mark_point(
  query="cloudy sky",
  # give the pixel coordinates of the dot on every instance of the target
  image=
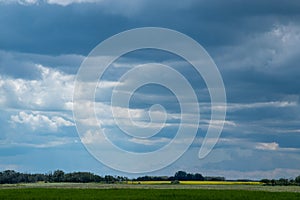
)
(255, 45)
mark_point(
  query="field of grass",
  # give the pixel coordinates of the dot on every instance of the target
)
(146, 190)
(197, 182)
(152, 185)
(220, 183)
(174, 194)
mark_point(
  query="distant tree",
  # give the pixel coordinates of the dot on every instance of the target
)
(214, 178)
(11, 176)
(121, 179)
(273, 182)
(152, 178)
(291, 181)
(180, 175)
(58, 176)
(49, 177)
(189, 176)
(297, 180)
(266, 181)
(283, 181)
(198, 177)
(109, 179)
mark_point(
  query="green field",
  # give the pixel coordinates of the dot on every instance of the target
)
(141, 191)
(69, 193)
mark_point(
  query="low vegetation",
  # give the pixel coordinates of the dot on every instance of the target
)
(55, 193)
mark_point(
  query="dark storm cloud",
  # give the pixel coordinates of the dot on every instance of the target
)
(51, 29)
(255, 44)
(77, 28)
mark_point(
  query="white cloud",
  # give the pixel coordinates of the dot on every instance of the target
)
(28, 2)
(54, 90)
(22, 2)
(240, 106)
(218, 123)
(68, 2)
(39, 121)
(56, 142)
(108, 6)
(267, 146)
(93, 137)
(104, 114)
(107, 84)
(150, 142)
(275, 147)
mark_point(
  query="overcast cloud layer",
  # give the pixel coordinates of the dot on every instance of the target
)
(255, 45)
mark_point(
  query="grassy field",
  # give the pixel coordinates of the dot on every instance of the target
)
(148, 190)
(198, 182)
(174, 194)
(152, 185)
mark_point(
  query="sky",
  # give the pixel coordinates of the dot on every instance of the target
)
(254, 44)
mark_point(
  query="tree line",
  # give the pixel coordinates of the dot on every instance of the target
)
(13, 177)
(282, 181)
(180, 176)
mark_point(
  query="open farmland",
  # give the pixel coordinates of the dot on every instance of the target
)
(121, 193)
(146, 191)
(153, 185)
